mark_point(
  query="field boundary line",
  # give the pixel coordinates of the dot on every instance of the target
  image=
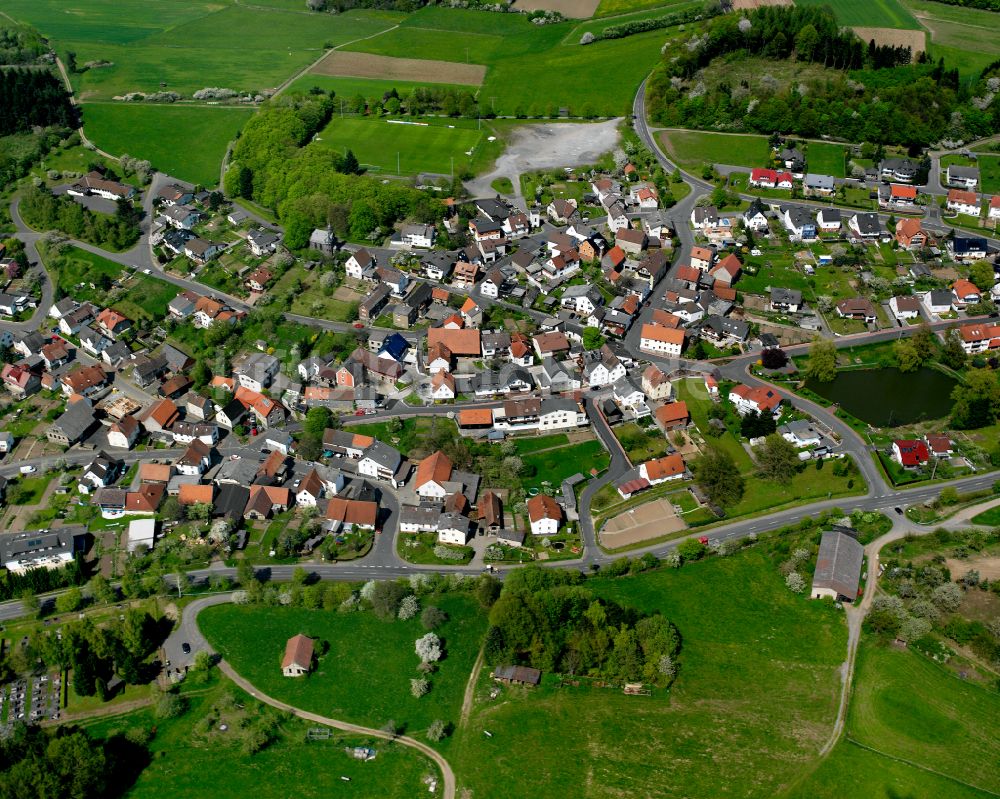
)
(912, 764)
(324, 54)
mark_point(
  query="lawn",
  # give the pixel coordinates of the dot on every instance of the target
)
(990, 517)
(405, 146)
(529, 444)
(310, 299)
(33, 488)
(364, 678)
(185, 142)
(907, 706)
(826, 159)
(869, 13)
(641, 443)
(555, 465)
(139, 297)
(692, 149)
(184, 763)
(755, 698)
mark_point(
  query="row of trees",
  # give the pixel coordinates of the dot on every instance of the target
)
(33, 98)
(43, 210)
(548, 620)
(312, 187)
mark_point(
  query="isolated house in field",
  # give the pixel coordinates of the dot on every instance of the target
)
(298, 656)
(838, 567)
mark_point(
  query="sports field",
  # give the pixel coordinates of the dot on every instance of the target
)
(870, 13)
(691, 149)
(421, 148)
(187, 142)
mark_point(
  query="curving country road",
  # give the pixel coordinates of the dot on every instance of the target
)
(189, 631)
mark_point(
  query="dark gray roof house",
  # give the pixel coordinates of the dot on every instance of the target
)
(838, 567)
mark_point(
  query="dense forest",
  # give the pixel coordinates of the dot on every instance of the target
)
(45, 211)
(33, 98)
(66, 764)
(314, 186)
(870, 93)
(549, 620)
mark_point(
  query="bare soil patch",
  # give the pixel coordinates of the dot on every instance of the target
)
(893, 37)
(650, 520)
(750, 5)
(345, 294)
(575, 9)
(368, 65)
(988, 568)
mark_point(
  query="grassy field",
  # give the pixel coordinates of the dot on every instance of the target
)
(826, 159)
(433, 146)
(755, 697)
(990, 517)
(869, 13)
(966, 37)
(186, 762)
(609, 8)
(186, 45)
(186, 142)
(851, 770)
(693, 149)
(526, 64)
(907, 706)
(365, 676)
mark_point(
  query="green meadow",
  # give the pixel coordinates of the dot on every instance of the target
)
(365, 677)
(869, 13)
(185, 45)
(692, 149)
(187, 142)
(185, 760)
(754, 699)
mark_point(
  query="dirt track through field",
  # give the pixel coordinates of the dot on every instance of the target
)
(416, 70)
(573, 9)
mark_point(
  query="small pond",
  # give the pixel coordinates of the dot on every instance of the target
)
(888, 397)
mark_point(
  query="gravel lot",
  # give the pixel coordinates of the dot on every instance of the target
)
(547, 146)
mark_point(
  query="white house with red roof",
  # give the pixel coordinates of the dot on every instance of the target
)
(759, 399)
(910, 453)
